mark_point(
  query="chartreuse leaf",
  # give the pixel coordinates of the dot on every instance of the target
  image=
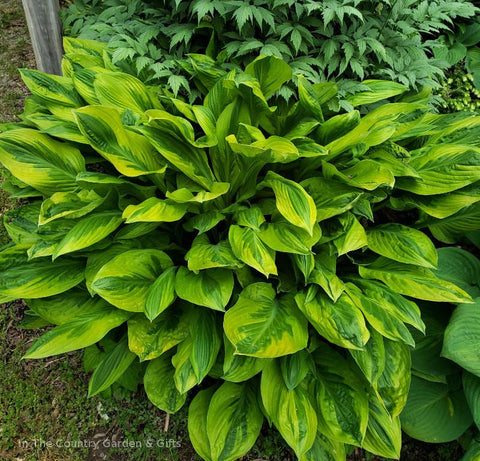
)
(210, 288)
(184, 195)
(184, 376)
(291, 412)
(36, 279)
(263, 325)
(331, 197)
(293, 202)
(353, 236)
(417, 282)
(204, 222)
(434, 412)
(126, 279)
(287, 238)
(239, 368)
(37, 160)
(378, 90)
(161, 294)
(51, 89)
(341, 401)
(325, 449)
(380, 315)
(66, 307)
(155, 210)
(88, 231)
(383, 436)
(403, 244)
(248, 247)
(21, 223)
(151, 339)
(250, 217)
(130, 153)
(371, 359)
(134, 94)
(234, 420)
(204, 255)
(197, 422)
(341, 323)
(462, 337)
(114, 364)
(394, 382)
(295, 367)
(77, 334)
(71, 204)
(160, 386)
(323, 276)
(271, 72)
(471, 387)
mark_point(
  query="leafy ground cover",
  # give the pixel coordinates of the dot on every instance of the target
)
(46, 399)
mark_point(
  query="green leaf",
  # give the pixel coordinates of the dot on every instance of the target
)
(160, 386)
(126, 279)
(403, 244)
(371, 359)
(471, 387)
(353, 237)
(155, 210)
(114, 364)
(341, 323)
(234, 420)
(239, 368)
(378, 90)
(247, 247)
(197, 422)
(295, 367)
(417, 282)
(37, 160)
(130, 153)
(293, 202)
(263, 325)
(271, 72)
(77, 334)
(88, 231)
(204, 255)
(161, 294)
(151, 339)
(462, 337)
(210, 288)
(435, 413)
(292, 412)
(184, 195)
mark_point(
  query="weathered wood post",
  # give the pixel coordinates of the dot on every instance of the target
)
(46, 33)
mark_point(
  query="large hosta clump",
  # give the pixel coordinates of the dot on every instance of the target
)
(245, 250)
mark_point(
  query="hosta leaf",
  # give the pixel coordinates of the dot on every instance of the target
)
(295, 205)
(371, 359)
(287, 238)
(271, 72)
(234, 420)
(380, 316)
(417, 282)
(114, 364)
(462, 337)
(73, 205)
(239, 368)
(197, 422)
(292, 412)
(325, 449)
(204, 222)
(160, 386)
(383, 436)
(295, 367)
(353, 237)
(204, 255)
(151, 339)
(185, 196)
(263, 325)
(88, 231)
(36, 279)
(161, 294)
(341, 323)
(21, 223)
(378, 90)
(471, 387)
(134, 94)
(77, 334)
(47, 165)
(210, 288)
(184, 375)
(155, 210)
(331, 197)
(435, 413)
(403, 244)
(250, 217)
(130, 153)
(247, 247)
(126, 279)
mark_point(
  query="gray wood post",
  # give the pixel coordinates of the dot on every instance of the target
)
(46, 33)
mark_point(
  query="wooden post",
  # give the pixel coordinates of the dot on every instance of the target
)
(46, 33)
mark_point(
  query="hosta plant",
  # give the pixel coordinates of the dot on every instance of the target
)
(249, 252)
(444, 398)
